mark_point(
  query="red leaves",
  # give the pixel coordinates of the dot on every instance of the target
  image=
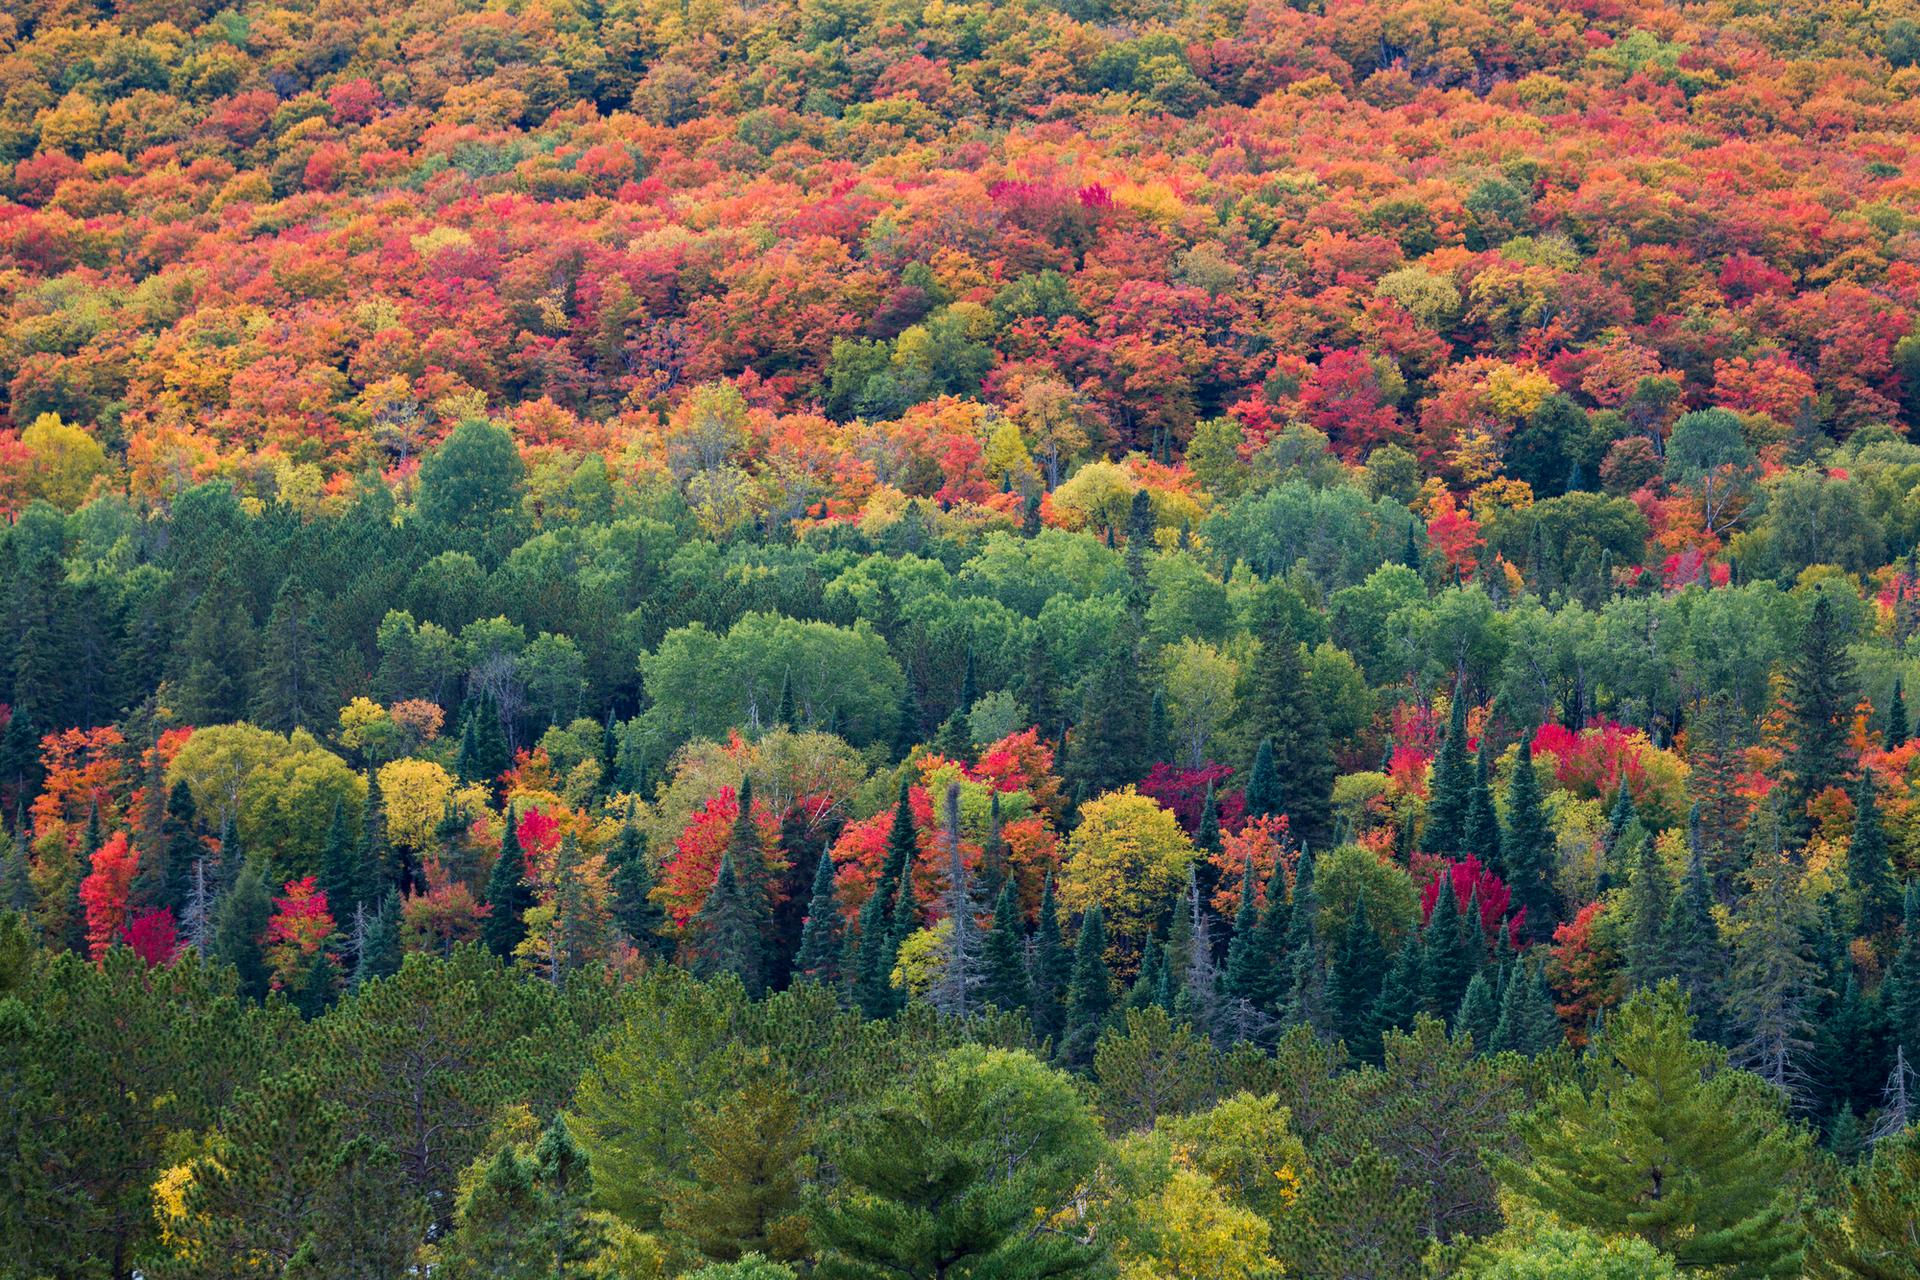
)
(688, 873)
(105, 890)
(1185, 792)
(153, 937)
(1456, 535)
(1471, 882)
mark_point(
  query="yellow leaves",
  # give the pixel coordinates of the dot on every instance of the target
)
(1130, 856)
(415, 794)
(65, 461)
(1155, 200)
(1195, 1231)
(432, 242)
(1516, 392)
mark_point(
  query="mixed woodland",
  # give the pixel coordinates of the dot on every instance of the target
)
(1136, 639)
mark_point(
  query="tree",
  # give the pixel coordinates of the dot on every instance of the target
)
(635, 911)
(509, 894)
(1263, 784)
(1450, 789)
(822, 945)
(1550, 1252)
(1352, 1221)
(1898, 728)
(958, 1170)
(749, 1166)
(527, 1214)
(957, 983)
(1527, 847)
(1003, 963)
(290, 685)
(1110, 739)
(1660, 1140)
(1050, 968)
(1279, 706)
(1131, 858)
(1453, 948)
(1691, 948)
(1875, 1233)
(342, 878)
(1820, 698)
(239, 923)
(1773, 982)
(726, 933)
(1649, 898)
(1527, 1022)
(1147, 1068)
(1355, 976)
(1869, 869)
(1089, 997)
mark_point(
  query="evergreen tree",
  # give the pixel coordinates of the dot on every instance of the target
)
(903, 842)
(726, 932)
(1003, 959)
(1649, 898)
(1400, 994)
(1481, 831)
(1207, 838)
(906, 726)
(1901, 991)
(1452, 956)
(1089, 992)
(317, 985)
(1354, 978)
(1281, 707)
(528, 1216)
(872, 963)
(1898, 729)
(239, 923)
(1450, 792)
(1272, 974)
(290, 686)
(377, 952)
(1869, 869)
(341, 878)
(509, 895)
(1656, 1139)
(639, 917)
(1690, 946)
(1307, 981)
(1714, 753)
(484, 753)
(1772, 981)
(1478, 1015)
(214, 659)
(16, 883)
(1039, 687)
(1263, 785)
(1528, 1023)
(822, 944)
(1527, 848)
(1110, 746)
(1820, 697)
(956, 986)
(1050, 969)
(1246, 975)
(1875, 1235)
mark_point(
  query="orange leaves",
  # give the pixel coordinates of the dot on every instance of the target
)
(300, 925)
(104, 892)
(1455, 534)
(689, 871)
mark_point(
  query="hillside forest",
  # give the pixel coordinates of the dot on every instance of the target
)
(1131, 639)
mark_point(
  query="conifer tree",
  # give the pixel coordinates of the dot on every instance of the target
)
(484, 754)
(1307, 981)
(1869, 869)
(1110, 740)
(1452, 958)
(1527, 1021)
(1901, 991)
(1820, 699)
(1246, 978)
(1199, 998)
(1039, 687)
(1450, 791)
(1691, 949)
(1481, 831)
(822, 945)
(1772, 980)
(1263, 785)
(1898, 727)
(1281, 707)
(509, 895)
(341, 877)
(16, 883)
(1089, 992)
(1527, 848)
(903, 842)
(1354, 978)
(872, 963)
(239, 922)
(1207, 838)
(1649, 898)
(1003, 960)
(1050, 969)
(379, 952)
(1477, 1015)
(955, 988)
(1714, 755)
(906, 730)
(1400, 994)
(639, 917)
(726, 932)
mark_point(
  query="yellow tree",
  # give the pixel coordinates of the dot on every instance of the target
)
(1131, 856)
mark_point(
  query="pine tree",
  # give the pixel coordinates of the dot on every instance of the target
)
(1307, 981)
(1869, 869)
(379, 953)
(1773, 982)
(1110, 748)
(1898, 729)
(1050, 969)
(1003, 960)
(1280, 706)
(639, 917)
(902, 843)
(239, 922)
(1246, 975)
(16, 883)
(340, 872)
(872, 963)
(1400, 995)
(1039, 687)
(726, 932)
(290, 685)
(1450, 791)
(1820, 699)
(822, 943)
(1714, 757)
(1089, 992)
(1263, 785)
(1478, 1015)
(906, 728)
(509, 895)
(1354, 978)
(1901, 991)
(1207, 838)
(1527, 848)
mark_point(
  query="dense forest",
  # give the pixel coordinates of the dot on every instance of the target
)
(1135, 639)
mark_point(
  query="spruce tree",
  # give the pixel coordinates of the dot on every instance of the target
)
(906, 726)
(1898, 728)
(1400, 995)
(822, 942)
(1272, 972)
(1089, 992)
(1207, 838)
(1527, 848)
(509, 895)
(1354, 978)
(239, 922)
(379, 953)
(1869, 869)
(1714, 756)
(1482, 829)
(1003, 959)
(484, 754)
(1820, 699)
(1246, 978)
(1478, 1015)
(1039, 687)
(1263, 785)
(1110, 748)
(903, 841)
(1307, 979)
(1528, 1023)
(1690, 944)
(16, 883)
(1450, 792)
(726, 932)
(340, 872)
(639, 917)
(1280, 706)
(872, 964)
(1050, 969)
(1901, 991)
(1773, 982)
(1452, 958)
(1649, 898)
